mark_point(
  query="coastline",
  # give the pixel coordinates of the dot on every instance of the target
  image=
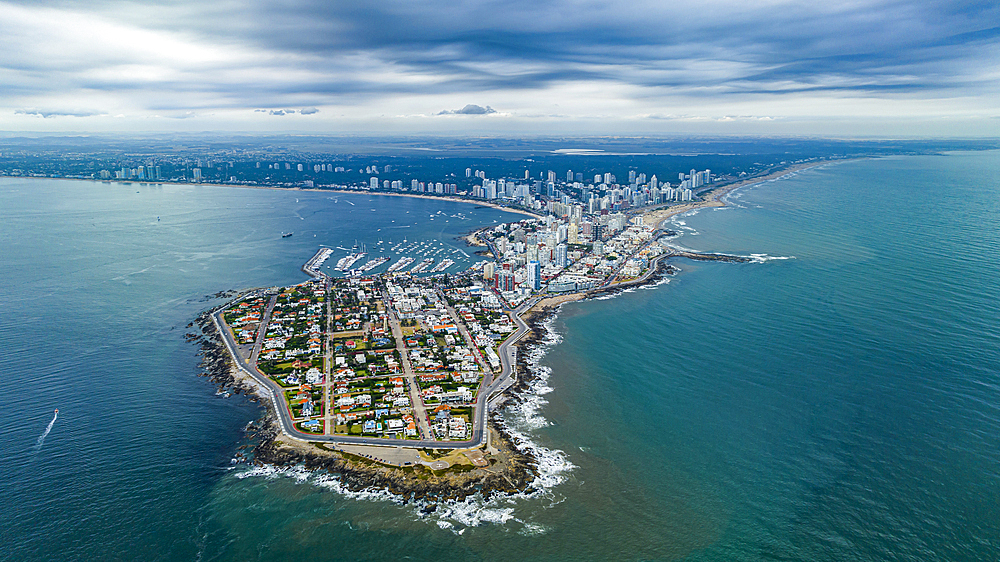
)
(714, 197)
(477, 202)
(512, 467)
(542, 312)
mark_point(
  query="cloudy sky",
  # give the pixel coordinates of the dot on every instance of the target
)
(848, 67)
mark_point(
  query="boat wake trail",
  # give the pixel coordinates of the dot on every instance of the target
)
(41, 440)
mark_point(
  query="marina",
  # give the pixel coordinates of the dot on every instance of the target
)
(368, 266)
(445, 264)
(402, 263)
(422, 266)
(345, 263)
(312, 266)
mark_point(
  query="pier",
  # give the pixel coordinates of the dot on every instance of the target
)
(312, 266)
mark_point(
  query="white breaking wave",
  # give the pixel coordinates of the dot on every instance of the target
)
(680, 248)
(761, 258)
(662, 281)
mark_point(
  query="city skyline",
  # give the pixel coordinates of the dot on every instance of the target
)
(867, 69)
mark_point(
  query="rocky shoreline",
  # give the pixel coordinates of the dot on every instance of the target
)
(511, 471)
(216, 362)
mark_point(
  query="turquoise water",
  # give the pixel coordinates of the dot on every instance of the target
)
(841, 404)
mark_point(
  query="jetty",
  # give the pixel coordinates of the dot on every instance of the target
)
(312, 266)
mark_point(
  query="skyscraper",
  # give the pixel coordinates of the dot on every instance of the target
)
(534, 275)
(560, 255)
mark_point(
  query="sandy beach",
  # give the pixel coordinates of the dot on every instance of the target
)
(478, 202)
(714, 198)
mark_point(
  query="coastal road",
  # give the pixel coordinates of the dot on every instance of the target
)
(505, 379)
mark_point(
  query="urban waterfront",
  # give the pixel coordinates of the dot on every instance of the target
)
(838, 404)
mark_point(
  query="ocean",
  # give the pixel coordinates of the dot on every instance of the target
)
(840, 403)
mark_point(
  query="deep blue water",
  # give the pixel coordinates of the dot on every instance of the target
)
(841, 405)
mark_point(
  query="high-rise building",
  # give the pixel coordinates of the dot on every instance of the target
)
(373, 183)
(468, 172)
(505, 280)
(552, 176)
(560, 255)
(631, 176)
(534, 275)
(197, 174)
(569, 175)
(489, 270)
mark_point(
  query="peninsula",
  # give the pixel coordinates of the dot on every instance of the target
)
(389, 373)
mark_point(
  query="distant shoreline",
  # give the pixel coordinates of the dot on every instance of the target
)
(481, 203)
(712, 199)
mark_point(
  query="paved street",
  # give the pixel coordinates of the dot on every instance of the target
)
(417, 403)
